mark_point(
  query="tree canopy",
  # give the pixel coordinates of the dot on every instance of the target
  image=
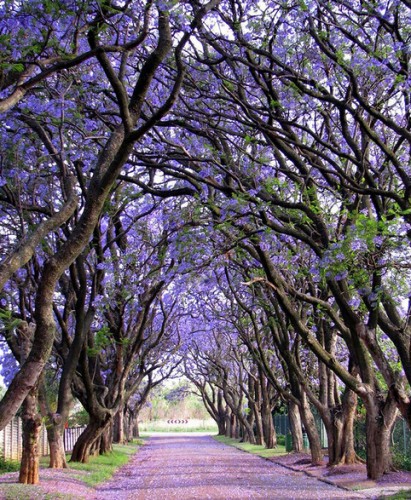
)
(221, 188)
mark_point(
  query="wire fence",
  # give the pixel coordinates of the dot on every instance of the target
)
(400, 441)
(11, 440)
(400, 436)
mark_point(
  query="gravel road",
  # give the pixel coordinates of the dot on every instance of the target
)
(198, 467)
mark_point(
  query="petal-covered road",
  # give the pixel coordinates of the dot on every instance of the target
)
(198, 467)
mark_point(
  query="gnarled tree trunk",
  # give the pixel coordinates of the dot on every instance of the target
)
(340, 431)
(106, 440)
(87, 441)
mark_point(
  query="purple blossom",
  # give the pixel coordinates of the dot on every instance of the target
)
(341, 275)
(354, 302)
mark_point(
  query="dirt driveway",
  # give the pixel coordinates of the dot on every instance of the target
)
(198, 467)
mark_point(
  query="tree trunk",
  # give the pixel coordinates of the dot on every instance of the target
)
(228, 420)
(55, 432)
(339, 425)
(29, 467)
(380, 419)
(118, 427)
(221, 411)
(128, 426)
(221, 427)
(295, 427)
(88, 438)
(234, 428)
(254, 404)
(106, 440)
(248, 422)
(259, 430)
(270, 436)
(348, 455)
(311, 430)
(248, 432)
(136, 430)
(340, 432)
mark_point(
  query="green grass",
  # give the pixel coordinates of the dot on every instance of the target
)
(401, 495)
(99, 469)
(255, 449)
(8, 465)
(102, 467)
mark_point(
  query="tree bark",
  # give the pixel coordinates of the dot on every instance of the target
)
(55, 431)
(136, 430)
(118, 427)
(29, 467)
(259, 431)
(221, 414)
(228, 420)
(380, 419)
(340, 432)
(234, 427)
(348, 455)
(106, 440)
(255, 404)
(295, 427)
(87, 439)
(270, 436)
(311, 430)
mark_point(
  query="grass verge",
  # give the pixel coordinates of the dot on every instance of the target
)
(255, 449)
(98, 470)
(401, 495)
(102, 467)
(8, 465)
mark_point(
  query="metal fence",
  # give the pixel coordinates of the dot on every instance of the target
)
(400, 436)
(11, 441)
(281, 424)
(400, 439)
(71, 434)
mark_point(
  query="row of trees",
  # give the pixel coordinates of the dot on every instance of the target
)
(81, 85)
(230, 179)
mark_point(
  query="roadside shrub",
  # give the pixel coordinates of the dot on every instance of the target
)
(8, 465)
(281, 439)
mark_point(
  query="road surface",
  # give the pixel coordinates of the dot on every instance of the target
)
(198, 467)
